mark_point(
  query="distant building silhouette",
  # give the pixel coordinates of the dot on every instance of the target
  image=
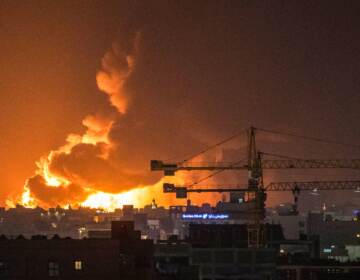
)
(125, 255)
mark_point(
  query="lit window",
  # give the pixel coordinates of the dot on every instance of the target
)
(79, 265)
(54, 269)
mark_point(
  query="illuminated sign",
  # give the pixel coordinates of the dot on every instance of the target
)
(205, 216)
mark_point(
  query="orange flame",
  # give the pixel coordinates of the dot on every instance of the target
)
(26, 199)
(43, 170)
(117, 66)
(110, 202)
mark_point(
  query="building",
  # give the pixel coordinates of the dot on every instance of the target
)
(123, 256)
(172, 260)
(222, 252)
(335, 233)
(318, 271)
(293, 225)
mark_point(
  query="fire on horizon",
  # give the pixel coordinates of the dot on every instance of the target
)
(175, 78)
(56, 184)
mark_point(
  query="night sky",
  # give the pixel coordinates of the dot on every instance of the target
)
(204, 70)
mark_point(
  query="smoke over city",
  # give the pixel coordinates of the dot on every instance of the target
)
(86, 164)
(108, 165)
(95, 100)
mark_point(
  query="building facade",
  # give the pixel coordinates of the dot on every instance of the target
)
(124, 256)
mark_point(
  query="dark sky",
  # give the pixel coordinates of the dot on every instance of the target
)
(204, 70)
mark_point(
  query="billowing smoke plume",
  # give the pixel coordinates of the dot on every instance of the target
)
(85, 170)
(108, 165)
(117, 66)
(49, 195)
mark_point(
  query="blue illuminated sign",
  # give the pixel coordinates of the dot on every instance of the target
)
(205, 216)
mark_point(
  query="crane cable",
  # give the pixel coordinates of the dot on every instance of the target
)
(309, 138)
(214, 174)
(266, 131)
(279, 156)
(213, 146)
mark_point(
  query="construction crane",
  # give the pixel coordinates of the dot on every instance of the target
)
(294, 187)
(255, 163)
(170, 168)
